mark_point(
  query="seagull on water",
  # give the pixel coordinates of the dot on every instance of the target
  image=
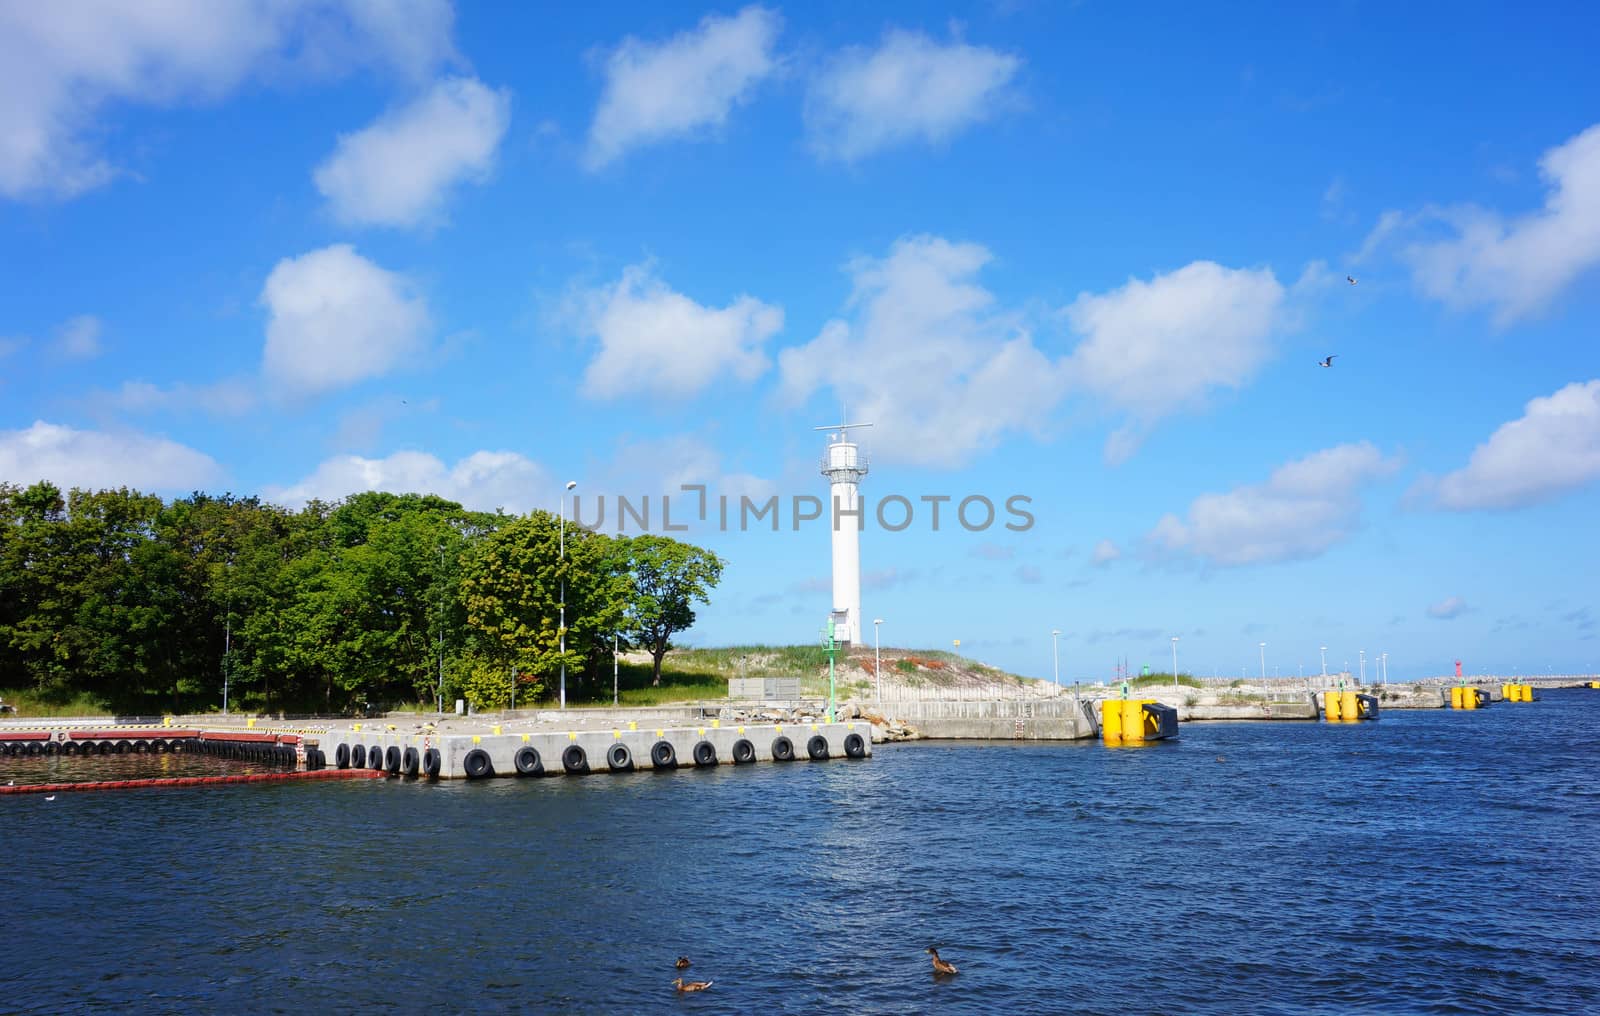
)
(52, 797)
(1326, 361)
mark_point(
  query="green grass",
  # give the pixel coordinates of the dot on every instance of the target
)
(1155, 680)
(30, 703)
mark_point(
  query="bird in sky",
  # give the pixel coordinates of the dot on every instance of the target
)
(1326, 361)
(1350, 279)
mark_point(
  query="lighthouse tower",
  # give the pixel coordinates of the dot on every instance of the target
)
(844, 467)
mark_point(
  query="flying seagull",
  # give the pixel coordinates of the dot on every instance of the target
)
(1327, 362)
(1350, 279)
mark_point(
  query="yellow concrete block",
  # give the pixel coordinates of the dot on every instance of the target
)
(251, 722)
(572, 735)
(495, 728)
(525, 738)
(633, 724)
(716, 723)
(476, 739)
(741, 730)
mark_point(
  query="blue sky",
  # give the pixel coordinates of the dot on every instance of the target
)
(1088, 254)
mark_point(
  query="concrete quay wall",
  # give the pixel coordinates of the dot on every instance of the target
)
(502, 748)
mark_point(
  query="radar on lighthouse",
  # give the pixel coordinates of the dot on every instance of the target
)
(844, 467)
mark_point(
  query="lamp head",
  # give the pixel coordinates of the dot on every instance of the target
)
(571, 484)
(877, 620)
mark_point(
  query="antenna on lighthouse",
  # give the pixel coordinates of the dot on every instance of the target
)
(845, 467)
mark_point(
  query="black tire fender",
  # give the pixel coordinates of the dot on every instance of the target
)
(705, 754)
(527, 761)
(358, 756)
(430, 761)
(341, 756)
(410, 762)
(619, 758)
(663, 755)
(782, 749)
(391, 760)
(743, 752)
(575, 759)
(52, 748)
(854, 746)
(477, 764)
(817, 748)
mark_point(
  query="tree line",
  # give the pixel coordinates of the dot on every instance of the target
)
(377, 600)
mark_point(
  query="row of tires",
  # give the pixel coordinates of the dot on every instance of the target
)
(407, 762)
(619, 757)
(262, 754)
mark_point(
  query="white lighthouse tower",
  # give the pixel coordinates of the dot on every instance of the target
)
(844, 467)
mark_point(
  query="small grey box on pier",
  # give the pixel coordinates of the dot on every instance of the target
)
(764, 689)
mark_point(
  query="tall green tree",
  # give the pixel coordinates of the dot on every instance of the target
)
(668, 578)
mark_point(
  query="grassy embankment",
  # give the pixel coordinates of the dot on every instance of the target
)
(691, 675)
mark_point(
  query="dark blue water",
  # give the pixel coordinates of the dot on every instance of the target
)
(1433, 862)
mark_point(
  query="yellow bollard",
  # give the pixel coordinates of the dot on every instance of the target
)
(1111, 720)
(1132, 720)
(495, 728)
(1508, 692)
(1348, 710)
(1332, 706)
(251, 722)
(1469, 698)
(1455, 698)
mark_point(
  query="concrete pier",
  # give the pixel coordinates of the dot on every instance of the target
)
(577, 752)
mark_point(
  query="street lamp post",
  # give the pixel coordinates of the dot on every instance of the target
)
(1324, 666)
(570, 484)
(1385, 668)
(1363, 653)
(1263, 663)
(1174, 661)
(1055, 655)
(877, 659)
(615, 695)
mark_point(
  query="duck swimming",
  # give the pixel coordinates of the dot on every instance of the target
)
(683, 987)
(940, 966)
(683, 963)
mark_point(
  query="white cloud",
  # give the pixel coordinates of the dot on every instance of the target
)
(909, 89)
(663, 466)
(97, 459)
(1303, 509)
(399, 170)
(79, 338)
(927, 358)
(1552, 448)
(60, 63)
(1159, 347)
(223, 398)
(335, 318)
(1445, 609)
(1514, 266)
(654, 340)
(659, 90)
(1105, 552)
(483, 481)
